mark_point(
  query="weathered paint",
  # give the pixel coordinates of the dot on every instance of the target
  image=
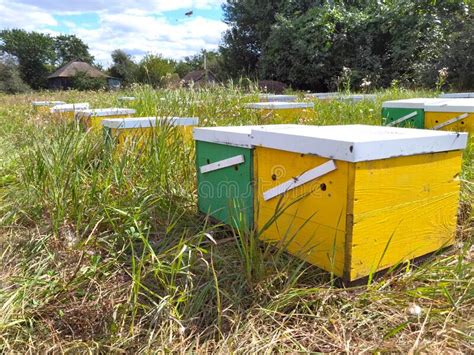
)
(390, 115)
(406, 205)
(466, 124)
(367, 215)
(312, 223)
(226, 194)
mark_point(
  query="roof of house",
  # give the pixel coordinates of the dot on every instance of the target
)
(198, 75)
(72, 68)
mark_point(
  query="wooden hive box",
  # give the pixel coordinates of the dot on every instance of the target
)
(357, 199)
(282, 111)
(406, 113)
(225, 165)
(450, 115)
(44, 106)
(91, 119)
(68, 111)
(124, 131)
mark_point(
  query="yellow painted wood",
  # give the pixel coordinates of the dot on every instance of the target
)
(433, 119)
(285, 115)
(42, 109)
(126, 136)
(314, 227)
(406, 205)
(64, 116)
(94, 123)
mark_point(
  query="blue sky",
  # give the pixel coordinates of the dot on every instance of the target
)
(138, 27)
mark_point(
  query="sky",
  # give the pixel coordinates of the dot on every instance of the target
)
(138, 27)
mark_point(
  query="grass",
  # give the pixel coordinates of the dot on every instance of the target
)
(108, 254)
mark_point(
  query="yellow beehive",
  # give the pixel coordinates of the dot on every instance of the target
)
(283, 111)
(44, 106)
(357, 199)
(450, 115)
(125, 131)
(91, 119)
(67, 111)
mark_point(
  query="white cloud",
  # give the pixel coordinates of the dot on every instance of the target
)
(28, 17)
(137, 27)
(75, 6)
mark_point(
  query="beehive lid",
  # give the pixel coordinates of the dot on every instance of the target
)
(452, 105)
(147, 122)
(47, 103)
(320, 95)
(357, 97)
(355, 143)
(70, 107)
(278, 98)
(102, 112)
(279, 105)
(126, 98)
(415, 103)
(458, 95)
(233, 135)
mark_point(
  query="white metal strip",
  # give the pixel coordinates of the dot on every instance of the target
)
(451, 121)
(402, 119)
(307, 176)
(221, 164)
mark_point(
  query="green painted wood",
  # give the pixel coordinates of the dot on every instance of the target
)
(226, 194)
(390, 114)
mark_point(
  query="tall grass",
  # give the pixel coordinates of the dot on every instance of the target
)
(106, 252)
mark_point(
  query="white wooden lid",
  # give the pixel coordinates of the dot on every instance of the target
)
(239, 136)
(279, 105)
(459, 95)
(416, 103)
(126, 98)
(279, 98)
(319, 95)
(70, 107)
(147, 122)
(47, 103)
(355, 143)
(451, 105)
(113, 111)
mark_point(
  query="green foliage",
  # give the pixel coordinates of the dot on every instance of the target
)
(70, 47)
(39, 53)
(308, 43)
(123, 67)
(83, 82)
(34, 52)
(212, 60)
(10, 79)
(153, 68)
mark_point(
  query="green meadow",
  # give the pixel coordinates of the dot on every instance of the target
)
(104, 253)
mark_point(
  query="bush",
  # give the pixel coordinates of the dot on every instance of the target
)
(10, 79)
(81, 81)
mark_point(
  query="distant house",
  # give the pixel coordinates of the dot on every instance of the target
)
(199, 78)
(62, 78)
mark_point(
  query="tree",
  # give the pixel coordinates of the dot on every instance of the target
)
(70, 47)
(34, 52)
(123, 67)
(10, 80)
(196, 62)
(82, 81)
(153, 68)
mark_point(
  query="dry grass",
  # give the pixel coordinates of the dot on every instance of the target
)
(110, 255)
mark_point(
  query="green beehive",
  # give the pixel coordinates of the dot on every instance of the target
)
(406, 113)
(225, 170)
